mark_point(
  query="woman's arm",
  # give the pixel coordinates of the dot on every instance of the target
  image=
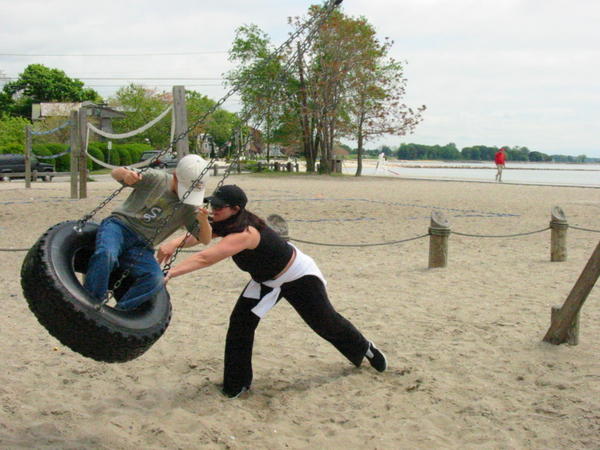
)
(226, 247)
(166, 250)
(205, 228)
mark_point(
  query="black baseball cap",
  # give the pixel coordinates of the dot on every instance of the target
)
(228, 195)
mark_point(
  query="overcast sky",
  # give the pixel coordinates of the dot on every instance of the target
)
(502, 72)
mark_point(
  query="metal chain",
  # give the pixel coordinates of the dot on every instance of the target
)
(332, 4)
(81, 223)
(246, 116)
(499, 235)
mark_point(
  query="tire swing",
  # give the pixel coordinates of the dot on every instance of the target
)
(93, 328)
(61, 304)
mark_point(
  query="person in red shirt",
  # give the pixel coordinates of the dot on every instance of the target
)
(500, 159)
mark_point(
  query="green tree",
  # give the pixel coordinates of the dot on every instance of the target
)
(260, 78)
(218, 125)
(12, 133)
(375, 87)
(141, 105)
(38, 84)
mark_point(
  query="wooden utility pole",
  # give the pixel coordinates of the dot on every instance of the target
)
(180, 116)
(82, 160)
(28, 143)
(74, 153)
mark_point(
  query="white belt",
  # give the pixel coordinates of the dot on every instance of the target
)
(303, 265)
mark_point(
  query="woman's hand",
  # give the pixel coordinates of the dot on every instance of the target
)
(202, 215)
(167, 277)
(165, 252)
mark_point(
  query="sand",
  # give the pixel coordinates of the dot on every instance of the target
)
(467, 365)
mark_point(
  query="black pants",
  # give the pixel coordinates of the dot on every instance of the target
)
(308, 297)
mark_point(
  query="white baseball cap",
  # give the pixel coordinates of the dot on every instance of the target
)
(188, 170)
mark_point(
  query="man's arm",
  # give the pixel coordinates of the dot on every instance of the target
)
(126, 176)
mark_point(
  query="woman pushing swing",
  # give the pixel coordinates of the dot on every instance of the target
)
(278, 269)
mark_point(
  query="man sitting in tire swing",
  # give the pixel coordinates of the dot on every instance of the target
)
(126, 238)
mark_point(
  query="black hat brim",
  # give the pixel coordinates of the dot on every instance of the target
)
(215, 201)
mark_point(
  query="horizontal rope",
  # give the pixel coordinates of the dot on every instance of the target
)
(14, 249)
(499, 235)
(584, 229)
(110, 166)
(359, 245)
(53, 130)
(54, 156)
(106, 165)
(133, 132)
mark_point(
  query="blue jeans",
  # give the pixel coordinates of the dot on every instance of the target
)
(118, 246)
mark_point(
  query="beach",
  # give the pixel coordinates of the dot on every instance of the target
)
(467, 367)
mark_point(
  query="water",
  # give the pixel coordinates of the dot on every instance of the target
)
(523, 173)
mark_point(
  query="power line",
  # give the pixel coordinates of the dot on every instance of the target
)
(114, 54)
(137, 78)
(117, 85)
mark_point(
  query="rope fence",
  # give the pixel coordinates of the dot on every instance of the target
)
(53, 130)
(439, 227)
(66, 152)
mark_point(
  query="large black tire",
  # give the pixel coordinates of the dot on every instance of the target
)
(70, 314)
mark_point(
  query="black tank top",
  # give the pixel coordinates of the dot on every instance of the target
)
(268, 259)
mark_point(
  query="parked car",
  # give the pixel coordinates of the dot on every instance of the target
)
(166, 161)
(15, 163)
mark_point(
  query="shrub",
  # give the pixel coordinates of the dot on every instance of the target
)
(124, 156)
(96, 153)
(13, 147)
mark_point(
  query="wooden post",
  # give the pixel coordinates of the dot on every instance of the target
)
(565, 320)
(215, 170)
(82, 159)
(558, 235)
(180, 116)
(289, 166)
(438, 240)
(572, 337)
(259, 166)
(74, 154)
(28, 157)
(297, 167)
(279, 225)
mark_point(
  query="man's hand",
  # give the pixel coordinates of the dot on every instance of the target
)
(131, 177)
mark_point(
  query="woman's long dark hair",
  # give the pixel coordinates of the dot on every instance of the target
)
(238, 223)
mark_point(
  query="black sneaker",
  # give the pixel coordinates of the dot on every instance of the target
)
(234, 393)
(376, 358)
